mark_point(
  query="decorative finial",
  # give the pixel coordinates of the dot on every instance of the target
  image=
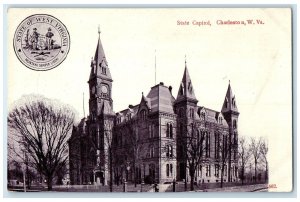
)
(142, 93)
(99, 32)
(229, 81)
(185, 60)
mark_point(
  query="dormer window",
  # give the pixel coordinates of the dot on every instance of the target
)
(128, 117)
(119, 120)
(234, 124)
(233, 102)
(220, 120)
(104, 70)
(143, 114)
(202, 115)
(226, 103)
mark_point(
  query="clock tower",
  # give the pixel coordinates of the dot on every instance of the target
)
(101, 115)
(100, 84)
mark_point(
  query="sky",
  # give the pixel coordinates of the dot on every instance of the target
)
(255, 58)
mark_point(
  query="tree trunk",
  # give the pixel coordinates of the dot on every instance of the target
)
(192, 174)
(134, 173)
(255, 171)
(267, 173)
(49, 182)
(222, 171)
(243, 174)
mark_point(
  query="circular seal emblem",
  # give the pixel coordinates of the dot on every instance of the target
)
(41, 42)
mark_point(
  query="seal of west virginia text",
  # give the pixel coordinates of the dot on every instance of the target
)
(41, 42)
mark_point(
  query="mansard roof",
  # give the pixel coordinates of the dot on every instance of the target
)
(161, 99)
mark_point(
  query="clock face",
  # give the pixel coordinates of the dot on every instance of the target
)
(104, 89)
(93, 89)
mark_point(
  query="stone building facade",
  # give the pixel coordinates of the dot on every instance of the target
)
(158, 140)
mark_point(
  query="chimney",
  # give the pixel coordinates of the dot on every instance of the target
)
(130, 106)
(170, 89)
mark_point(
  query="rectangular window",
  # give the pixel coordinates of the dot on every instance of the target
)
(208, 144)
(167, 169)
(167, 133)
(149, 131)
(200, 171)
(171, 169)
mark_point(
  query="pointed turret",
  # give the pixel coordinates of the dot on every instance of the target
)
(186, 89)
(229, 102)
(99, 63)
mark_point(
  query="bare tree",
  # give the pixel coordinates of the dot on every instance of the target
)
(193, 149)
(42, 127)
(224, 157)
(136, 144)
(255, 152)
(108, 147)
(243, 156)
(263, 152)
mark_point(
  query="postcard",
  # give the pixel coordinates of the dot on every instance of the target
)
(149, 100)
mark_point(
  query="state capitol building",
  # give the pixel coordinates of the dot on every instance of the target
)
(154, 140)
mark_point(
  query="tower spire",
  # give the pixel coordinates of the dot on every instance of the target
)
(229, 102)
(186, 89)
(99, 62)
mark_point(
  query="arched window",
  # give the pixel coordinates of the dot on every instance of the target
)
(235, 137)
(169, 132)
(207, 144)
(151, 130)
(234, 124)
(198, 136)
(143, 114)
(151, 151)
(191, 113)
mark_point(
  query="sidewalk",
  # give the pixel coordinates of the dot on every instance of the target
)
(215, 187)
(244, 188)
